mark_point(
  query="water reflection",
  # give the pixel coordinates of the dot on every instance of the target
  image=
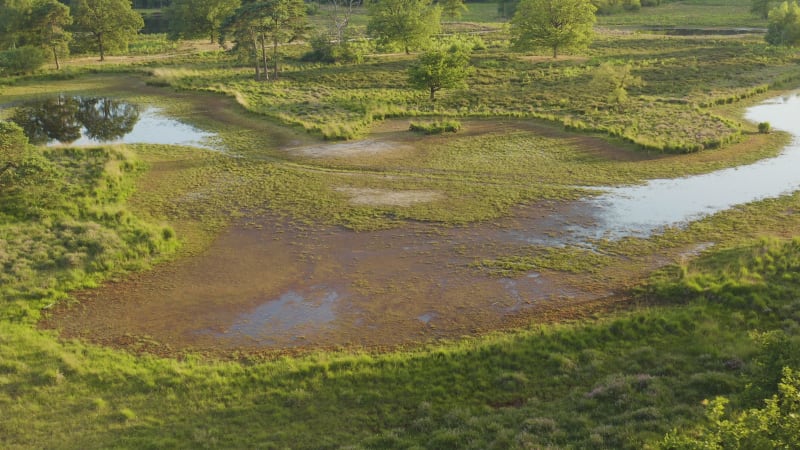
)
(66, 119)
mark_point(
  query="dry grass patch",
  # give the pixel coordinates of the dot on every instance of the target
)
(386, 197)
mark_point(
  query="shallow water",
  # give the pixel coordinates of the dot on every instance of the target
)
(278, 287)
(155, 127)
(85, 121)
(641, 211)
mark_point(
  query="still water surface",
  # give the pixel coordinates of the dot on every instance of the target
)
(84, 121)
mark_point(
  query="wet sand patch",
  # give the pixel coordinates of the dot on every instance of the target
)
(386, 197)
(349, 149)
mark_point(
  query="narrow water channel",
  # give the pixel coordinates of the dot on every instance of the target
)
(640, 211)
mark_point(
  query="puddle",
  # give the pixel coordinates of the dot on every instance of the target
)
(86, 121)
(427, 317)
(287, 314)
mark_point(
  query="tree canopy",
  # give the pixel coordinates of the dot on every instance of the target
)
(254, 24)
(12, 21)
(784, 25)
(409, 23)
(761, 7)
(554, 24)
(198, 18)
(110, 23)
(442, 65)
(48, 24)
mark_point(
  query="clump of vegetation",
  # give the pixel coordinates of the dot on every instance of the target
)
(64, 223)
(22, 60)
(764, 127)
(436, 127)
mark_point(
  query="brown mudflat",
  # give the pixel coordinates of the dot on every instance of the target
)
(274, 287)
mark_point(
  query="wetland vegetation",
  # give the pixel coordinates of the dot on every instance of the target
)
(348, 261)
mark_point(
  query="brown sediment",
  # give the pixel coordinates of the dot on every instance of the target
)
(279, 288)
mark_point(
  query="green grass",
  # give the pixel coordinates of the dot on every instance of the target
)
(688, 13)
(619, 382)
(71, 229)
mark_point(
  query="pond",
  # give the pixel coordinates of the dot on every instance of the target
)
(85, 121)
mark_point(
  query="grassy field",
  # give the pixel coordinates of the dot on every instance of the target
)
(623, 376)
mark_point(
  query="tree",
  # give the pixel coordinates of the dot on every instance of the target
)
(554, 24)
(452, 8)
(409, 23)
(761, 7)
(443, 65)
(47, 23)
(12, 21)
(341, 12)
(195, 18)
(110, 23)
(613, 81)
(253, 24)
(784, 25)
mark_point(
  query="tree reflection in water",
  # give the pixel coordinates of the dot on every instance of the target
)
(65, 119)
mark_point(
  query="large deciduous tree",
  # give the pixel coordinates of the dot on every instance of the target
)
(48, 22)
(442, 65)
(553, 24)
(274, 21)
(110, 23)
(409, 23)
(784, 25)
(190, 19)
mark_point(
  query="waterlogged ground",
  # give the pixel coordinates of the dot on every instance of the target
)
(270, 285)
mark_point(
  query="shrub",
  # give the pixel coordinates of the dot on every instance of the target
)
(764, 127)
(22, 60)
(437, 127)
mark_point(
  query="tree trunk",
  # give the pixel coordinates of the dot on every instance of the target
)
(555, 52)
(264, 55)
(433, 94)
(100, 45)
(275, 55)
(255, 50)
(55, 55)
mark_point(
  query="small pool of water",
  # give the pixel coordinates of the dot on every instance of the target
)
(86, 121)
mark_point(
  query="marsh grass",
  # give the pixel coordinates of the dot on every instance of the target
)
(72, 229)
(724, 324)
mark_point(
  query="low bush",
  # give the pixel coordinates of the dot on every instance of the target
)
(437, 127)
(22, 60)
